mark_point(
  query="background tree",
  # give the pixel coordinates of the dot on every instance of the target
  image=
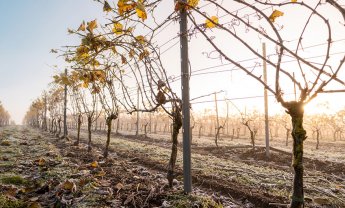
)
(251, 122)
(4, 116)
(316, 124)
(76, 105)
(33, 116)
(285, 122)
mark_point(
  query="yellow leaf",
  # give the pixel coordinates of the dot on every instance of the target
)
(82, 49)
(86, 84)
(95, 63)
(92, 25)
(84, 56)
(275, 14)
(192, 3)
(41, 162)
(100, 75)
(124, 7)
(82, 52)
(141, 11)
(210, 24)
(64, 80)
(293, 1)
(141, 39)
(144, 54)
(113, 49)
(70, 186)
(106, 7)
(118, 28)
(82, 27)
(94, 164)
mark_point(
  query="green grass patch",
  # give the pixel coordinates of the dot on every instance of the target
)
(6, 202)
(13, 179)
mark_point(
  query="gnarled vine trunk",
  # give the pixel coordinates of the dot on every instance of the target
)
(78, 129)
(145, 129)
(252, 139)
(317, 138)
(200, 131)
(233, 134)
(89, 125)
(296, 111)
(117, 125)
(287, 137)
(52, 126)
(177, 124)
(55, 127)
(217, 135)
(109, 122)
(252, 134)
(59, 123)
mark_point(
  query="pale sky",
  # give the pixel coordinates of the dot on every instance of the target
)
(30, 28)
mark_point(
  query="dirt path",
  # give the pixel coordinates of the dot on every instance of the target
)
(39, 170)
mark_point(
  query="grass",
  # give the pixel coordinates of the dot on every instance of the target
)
(181, 200)
(5, 143)
(6, 202)
(13, 179)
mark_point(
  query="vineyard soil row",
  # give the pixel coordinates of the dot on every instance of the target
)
(240, 170)
(59, 173)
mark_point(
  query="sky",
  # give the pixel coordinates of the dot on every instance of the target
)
(31, 28)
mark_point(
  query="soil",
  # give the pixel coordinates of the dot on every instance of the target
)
(56, 173)
(41, 170)
(278, 158)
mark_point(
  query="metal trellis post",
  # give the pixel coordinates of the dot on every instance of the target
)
(266, 102)
(65, 110)
(187, 178)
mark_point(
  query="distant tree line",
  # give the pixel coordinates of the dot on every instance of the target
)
(4, 116)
